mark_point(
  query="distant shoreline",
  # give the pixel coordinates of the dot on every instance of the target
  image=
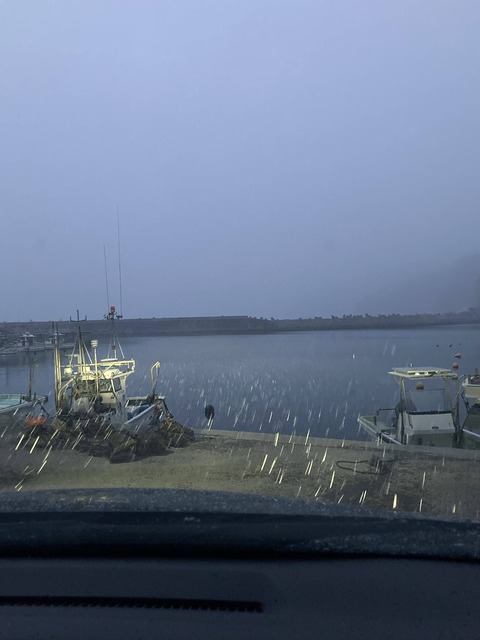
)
(237, 325)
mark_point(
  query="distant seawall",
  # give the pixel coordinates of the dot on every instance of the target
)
(226, 325)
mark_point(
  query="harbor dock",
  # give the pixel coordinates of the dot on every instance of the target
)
(427, 480)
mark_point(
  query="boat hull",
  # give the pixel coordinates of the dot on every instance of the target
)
(378, 430)
(472, 391)
(13, 409)
(143, 415)
(141, 421)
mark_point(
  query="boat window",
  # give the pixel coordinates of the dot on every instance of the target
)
(90, 386)
(84, 387)
(429, 400)
(104, 386)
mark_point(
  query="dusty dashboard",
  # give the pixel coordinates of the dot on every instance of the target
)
(109, 573)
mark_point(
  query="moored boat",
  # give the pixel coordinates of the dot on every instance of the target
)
(427, 412)
(15, 407)
(88, 385)
(471, 387)
(26, 343)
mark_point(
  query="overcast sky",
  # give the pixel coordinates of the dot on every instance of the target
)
(267, 157)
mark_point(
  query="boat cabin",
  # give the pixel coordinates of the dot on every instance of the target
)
(426, 413)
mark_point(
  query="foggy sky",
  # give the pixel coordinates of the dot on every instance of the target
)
(272, 158)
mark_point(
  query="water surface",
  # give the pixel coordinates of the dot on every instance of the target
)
(313, 382)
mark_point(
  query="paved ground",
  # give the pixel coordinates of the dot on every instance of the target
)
(433, 481)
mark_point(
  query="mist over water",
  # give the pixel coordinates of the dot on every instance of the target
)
(313, 383)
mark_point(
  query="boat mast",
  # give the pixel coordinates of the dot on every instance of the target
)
(106, 274)
(30, 379)
(403, 404)
(456, 411)
(119, 264)
(81, 348)
(94, 344)
(113, 344)
(57, 368)
(112, 314)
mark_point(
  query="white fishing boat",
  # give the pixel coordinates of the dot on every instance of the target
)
(427, 412)
(15, 407)
(471, 387)
(89, 385)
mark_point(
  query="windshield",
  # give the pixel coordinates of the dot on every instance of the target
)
(240, 251)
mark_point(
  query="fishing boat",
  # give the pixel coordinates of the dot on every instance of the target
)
(15, 407)
(427, 412)
(5, 348)
(88, 385)
(55, 338)
(26, 343)
(29, 342)
(471, 387)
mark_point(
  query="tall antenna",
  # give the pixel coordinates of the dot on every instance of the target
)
(119, 263)
(106, 276)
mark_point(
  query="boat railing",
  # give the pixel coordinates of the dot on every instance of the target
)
(432, 412)
(102, 366)
(115, 364)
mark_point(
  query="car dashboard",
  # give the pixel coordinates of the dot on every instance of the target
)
(190, 574)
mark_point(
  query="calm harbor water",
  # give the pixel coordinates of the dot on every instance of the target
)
(316, 382)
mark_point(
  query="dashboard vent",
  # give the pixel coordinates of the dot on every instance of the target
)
(184, 604)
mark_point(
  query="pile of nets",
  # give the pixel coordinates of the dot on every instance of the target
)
(96, 436)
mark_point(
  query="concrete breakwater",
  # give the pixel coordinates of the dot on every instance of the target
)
(141, 326)
(210, 325)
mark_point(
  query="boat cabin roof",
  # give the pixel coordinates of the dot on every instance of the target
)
(416, 373)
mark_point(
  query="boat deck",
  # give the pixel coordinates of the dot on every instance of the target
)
(377, 428)
(10, 400)
(471, 428)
